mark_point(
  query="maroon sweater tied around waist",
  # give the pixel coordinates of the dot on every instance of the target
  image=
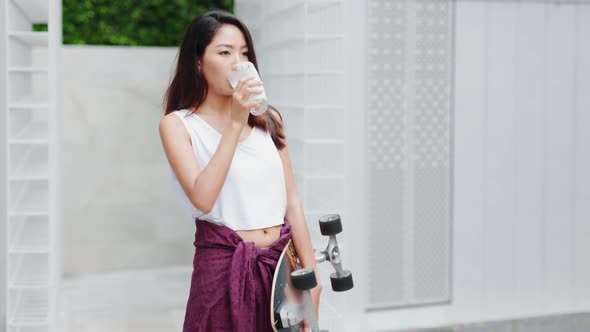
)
(231, 281)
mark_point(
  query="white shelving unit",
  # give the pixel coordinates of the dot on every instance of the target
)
(300, 48)
(32, 116)
(295, 42)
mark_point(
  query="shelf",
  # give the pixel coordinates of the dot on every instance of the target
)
(312, 37)
(28, 162)
(320, 177)
(279, 42)
(324, 36)
(30, 38)
(316, 5)
(29, 197)
(28, 83)
(308, 73)
(28, 214)
(36, 11)
(29, 142)
(35, 132)
(29, 307)
(29, 102)
(309, 106)
(28, 270)
(28, 235)
(285, 10)
(21, 328)
(324, 141)
(26, 69)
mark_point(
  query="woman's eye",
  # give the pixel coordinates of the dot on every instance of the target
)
(245, 53)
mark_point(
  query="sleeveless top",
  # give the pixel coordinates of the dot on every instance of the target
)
(253, 195)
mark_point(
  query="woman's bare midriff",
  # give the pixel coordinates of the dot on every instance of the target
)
(262, 237)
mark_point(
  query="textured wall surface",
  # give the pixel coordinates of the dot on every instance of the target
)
(409, 84)
(119, 209)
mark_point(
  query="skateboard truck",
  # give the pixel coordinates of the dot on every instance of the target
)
(305, 279)
(290, 315)
(341, 280)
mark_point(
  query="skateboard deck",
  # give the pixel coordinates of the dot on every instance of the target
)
(283, 295)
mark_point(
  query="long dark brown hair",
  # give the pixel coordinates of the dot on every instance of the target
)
(188, 87)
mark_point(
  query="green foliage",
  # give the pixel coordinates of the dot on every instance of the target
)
(39, 27)
(132, 22)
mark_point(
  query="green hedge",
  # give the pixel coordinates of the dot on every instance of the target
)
(128, 22)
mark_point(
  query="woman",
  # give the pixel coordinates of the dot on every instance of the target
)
(234, 172)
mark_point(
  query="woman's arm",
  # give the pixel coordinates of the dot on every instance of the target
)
(295, 216)
(201, 187)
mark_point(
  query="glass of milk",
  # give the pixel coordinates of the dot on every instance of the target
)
(244, 69)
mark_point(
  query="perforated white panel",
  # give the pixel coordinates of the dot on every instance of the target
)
(408, 135)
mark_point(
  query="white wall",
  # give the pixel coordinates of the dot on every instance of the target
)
(119, 210)
(521, 212)
(3, 138)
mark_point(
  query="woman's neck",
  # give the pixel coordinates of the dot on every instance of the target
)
(216, 104)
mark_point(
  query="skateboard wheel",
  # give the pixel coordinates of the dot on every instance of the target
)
(341, 284)
(330, 224)
(304, 279)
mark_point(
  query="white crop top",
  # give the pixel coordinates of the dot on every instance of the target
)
(253, 195)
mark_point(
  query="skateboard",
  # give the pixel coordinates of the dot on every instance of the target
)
(290, 301)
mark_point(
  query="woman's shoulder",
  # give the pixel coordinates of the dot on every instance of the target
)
(179, 112)
(172, 121)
